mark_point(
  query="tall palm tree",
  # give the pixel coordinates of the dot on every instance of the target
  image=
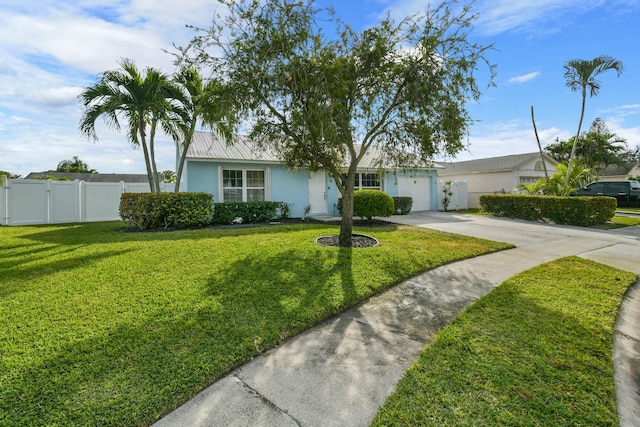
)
(201, 102)
(140, 100)
(580, 74)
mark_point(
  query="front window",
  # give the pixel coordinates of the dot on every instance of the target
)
(242, 185)
(370, 180)
(367, 180)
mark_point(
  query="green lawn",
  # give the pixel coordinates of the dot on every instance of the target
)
(102, 327)
(534, 352)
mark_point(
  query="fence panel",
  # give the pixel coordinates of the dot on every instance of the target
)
(26, 202)
(33, 201)
(100, 201)
(63, 202)
(458, 199)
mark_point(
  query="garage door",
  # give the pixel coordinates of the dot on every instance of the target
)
(418, 188)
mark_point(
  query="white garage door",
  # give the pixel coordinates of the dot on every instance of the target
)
(418, 188)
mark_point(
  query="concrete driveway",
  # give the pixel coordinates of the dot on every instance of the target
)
(340, 372)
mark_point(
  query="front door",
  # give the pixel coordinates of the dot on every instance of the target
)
(318, 193)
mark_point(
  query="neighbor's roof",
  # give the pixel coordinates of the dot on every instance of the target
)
(623, 169)
(93, 177)
(491, 164)
(207, 145)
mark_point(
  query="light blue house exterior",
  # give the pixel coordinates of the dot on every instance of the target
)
(241, 172)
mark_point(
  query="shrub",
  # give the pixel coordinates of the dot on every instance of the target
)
(250, 212)
(402, 205)
(370, 203)
(582, 211)
(163, 210)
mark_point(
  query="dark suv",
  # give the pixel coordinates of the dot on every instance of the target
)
(627, 193)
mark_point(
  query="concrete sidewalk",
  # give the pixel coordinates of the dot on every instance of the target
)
(340, 372)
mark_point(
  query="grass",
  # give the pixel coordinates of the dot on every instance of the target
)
(534, 352)
(101, 327)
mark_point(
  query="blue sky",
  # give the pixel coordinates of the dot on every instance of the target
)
(52, 49)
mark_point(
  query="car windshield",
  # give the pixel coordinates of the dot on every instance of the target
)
(635, 185)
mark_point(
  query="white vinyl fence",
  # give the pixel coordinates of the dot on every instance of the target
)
(34, 201)
(458, 198)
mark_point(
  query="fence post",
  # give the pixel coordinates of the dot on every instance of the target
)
(4, 201)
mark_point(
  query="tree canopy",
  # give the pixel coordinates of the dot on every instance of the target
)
(141, 100)
(580, 75)
(322, 95)
(74, 165)
(595, 149)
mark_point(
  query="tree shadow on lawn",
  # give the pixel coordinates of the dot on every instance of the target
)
(309, 289)
(134, 373)
(95, 233)
(17, 276)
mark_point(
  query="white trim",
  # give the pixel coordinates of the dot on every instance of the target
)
(265, 172)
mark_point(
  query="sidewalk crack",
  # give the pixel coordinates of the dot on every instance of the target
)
(268, 402)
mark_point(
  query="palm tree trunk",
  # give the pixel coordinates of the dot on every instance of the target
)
(575, 143)
(544, 164)
(145, 151)
(154, 169)
(183, 155)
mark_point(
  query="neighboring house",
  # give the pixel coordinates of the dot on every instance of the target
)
(617, 172)
(242, 172)
(93, 177)
(496, 174)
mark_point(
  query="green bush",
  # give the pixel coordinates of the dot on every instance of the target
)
(250, 212)
(370, 203)
(163, 210)
(402, 205)
(582, 211)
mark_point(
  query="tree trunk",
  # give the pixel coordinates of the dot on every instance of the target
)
(346, 224)
(575, 143)
(183, 155)
(154, 169)
(544, 164)
(145, 151)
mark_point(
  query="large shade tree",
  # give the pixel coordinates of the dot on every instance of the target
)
(141, 100)
(580, 75)
(322, 99)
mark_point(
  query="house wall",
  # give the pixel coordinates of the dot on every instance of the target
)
(492, 182)
(290, 186)
(483, 183)
(284, 185)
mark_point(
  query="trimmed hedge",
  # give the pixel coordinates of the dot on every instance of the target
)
(250, 212)
(402, 205)
(582, 211)
(370, 203)
(163, 210)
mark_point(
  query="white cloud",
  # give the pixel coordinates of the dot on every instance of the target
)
(57, 97)
(524, 78)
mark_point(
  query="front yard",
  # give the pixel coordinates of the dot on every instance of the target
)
(534, 352)
(102, 327)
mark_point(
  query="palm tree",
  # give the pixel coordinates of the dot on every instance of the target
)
(139, 100)
(74, 165)
(201, 102)
(580, 74)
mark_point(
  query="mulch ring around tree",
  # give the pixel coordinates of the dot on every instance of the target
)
(357, 241)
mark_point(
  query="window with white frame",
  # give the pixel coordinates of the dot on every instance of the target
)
(243, 185)
(367, 180)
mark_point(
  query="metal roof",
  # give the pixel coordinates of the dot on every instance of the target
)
(207, 145)
(491, 164)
